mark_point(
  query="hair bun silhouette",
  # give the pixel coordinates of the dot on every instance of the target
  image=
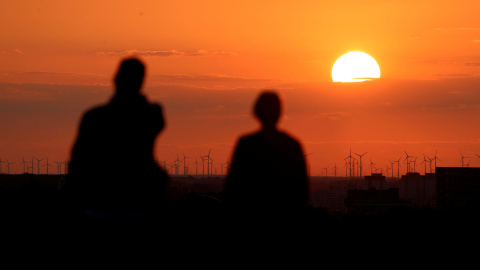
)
(268, 107)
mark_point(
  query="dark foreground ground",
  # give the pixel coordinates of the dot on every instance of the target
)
(198, 222)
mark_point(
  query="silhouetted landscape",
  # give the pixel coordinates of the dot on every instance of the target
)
(194, 206)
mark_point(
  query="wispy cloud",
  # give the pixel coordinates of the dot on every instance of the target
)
(224, 116)
(457, 28)
(454, 75)
(473, 64)
(458, 92)
(47, 73)
(168, 53)
(19, 51)
(333, 115)
(476, 40)
(17, 92)
(394, 142)
(206, 77)
(429, 61)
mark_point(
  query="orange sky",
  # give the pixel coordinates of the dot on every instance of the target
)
(208, 60)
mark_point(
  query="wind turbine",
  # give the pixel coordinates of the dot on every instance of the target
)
(211, 165)
(463, 157)
(360, 164)
(350, 161)
(424, 161)
(209, 162)
(24, 164)
(1, 169)
(66, 167)
(436, 158)
(164, 165)
(175, 162)
(408, 163)
(398, 167)
(355, 161)
(203, 164)
(196, 163)
(414, 164)
(391, 163)
(47, 164)
(59, 167)
(371, 167)
(8, 166)
(32, 164)
(38, 162)
(226, 163)
(308, 163)
(326, 171)
(185, 167)
(207, 158)
(430, 163)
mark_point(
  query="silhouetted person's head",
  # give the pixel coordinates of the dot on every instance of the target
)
(129, 78)
(268, 109)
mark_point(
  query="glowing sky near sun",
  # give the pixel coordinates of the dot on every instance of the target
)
(207, 61)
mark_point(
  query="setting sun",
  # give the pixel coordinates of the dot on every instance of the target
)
(355, 67)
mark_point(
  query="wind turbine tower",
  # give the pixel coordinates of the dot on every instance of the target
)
(176, 163)
(38, 162)
(308, 164)
(463, 157)
(66, 168)
(31, 162)
(1, 169)
(349, 157)
(424, 162)
(207, 158)
(228, 166)
(371, 167)
(24, 165)
(48, 165)
(8, 166)
(408, 162)
(398, 167)
(391, 164)
(360, 164)
(185, 167)
(59, 167)
(436, 158)
(196, 163)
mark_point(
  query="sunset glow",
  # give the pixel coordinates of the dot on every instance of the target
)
(355, 67)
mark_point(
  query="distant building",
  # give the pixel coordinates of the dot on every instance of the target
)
(419, 189)
(458, 187)
(374, 202)
(332, 198)
(376, 180)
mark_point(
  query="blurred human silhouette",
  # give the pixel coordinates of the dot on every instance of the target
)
(112, 172)
(268, 173)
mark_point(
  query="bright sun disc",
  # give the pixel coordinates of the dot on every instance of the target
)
(355, 67)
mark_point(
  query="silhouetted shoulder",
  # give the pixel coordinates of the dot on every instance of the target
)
(278, 139)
